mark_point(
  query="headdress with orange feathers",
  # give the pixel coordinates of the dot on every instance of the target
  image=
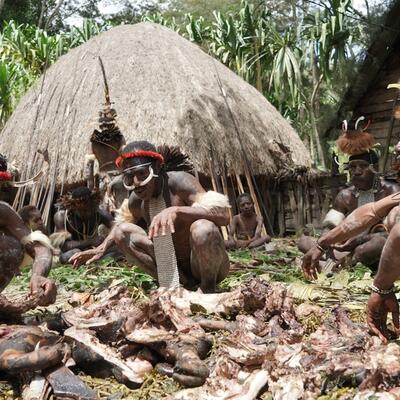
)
(356, 141)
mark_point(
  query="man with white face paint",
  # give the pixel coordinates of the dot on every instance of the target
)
(183, 244)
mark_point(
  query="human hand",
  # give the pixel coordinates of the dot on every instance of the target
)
(242, 243)
(85, 257)
(378, 308)
(351, 244)
(41, 284)
(310, 264)
(162, 222)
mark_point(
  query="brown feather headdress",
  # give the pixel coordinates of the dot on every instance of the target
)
(79, 197)
(175, 159)
(355, 140)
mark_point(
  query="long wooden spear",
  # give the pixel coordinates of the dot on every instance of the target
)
(248, 169)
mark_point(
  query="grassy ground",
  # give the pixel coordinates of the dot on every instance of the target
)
(350, 289)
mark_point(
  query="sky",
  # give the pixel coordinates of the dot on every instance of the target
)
(109, 7)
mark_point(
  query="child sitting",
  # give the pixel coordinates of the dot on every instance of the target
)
(245, 228)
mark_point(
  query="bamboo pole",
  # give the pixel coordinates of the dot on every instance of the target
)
(281, 214)
(239, 183)
(254, 196)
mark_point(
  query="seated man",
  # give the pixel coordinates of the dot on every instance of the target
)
(77, 225)
(32, 218)
(15, 239)
(245, 228)
(366, 187)
(383, 299)
(183, 243)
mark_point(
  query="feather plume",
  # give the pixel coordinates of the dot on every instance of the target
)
(355, 142)
(109, 131)
(175, 159)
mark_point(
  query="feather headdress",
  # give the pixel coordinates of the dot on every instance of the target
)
(355, 139)
(109, 131)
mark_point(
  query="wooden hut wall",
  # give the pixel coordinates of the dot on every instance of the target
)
(377, 103)
(292, 204)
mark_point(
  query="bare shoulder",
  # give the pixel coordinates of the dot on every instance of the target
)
(184, 184)
(105, 217)
(5, 208)
(181, 180)
(236, 218)
(5, 212)
(390, 187)
(345, 194)
(12, 222)
(134, 203)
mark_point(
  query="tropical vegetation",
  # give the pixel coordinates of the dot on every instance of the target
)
(298, 54)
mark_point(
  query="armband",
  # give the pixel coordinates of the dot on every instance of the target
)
(382, 291)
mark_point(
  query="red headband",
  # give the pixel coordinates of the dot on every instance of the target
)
(5, 176)
(140, 153)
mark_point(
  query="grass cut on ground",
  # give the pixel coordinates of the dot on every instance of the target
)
(347, 288)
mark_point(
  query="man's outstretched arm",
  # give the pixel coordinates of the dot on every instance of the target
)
(357, 222)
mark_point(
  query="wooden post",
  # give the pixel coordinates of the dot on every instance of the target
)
(239, 183)
(254, 196)
(300, 201)
(281, 212)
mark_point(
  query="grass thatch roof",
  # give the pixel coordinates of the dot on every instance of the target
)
(164, 89)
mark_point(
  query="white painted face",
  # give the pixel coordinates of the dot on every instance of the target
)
(138, 176)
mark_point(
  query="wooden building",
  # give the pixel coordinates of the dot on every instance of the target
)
(368, 95)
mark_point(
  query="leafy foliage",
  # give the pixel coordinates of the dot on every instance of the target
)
(93, 278)
(300, 55)
(26, 51)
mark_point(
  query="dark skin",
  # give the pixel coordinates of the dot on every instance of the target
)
(246, 227)
(379, 305)
(13, 230)
(198, 243)
(106, 153)
(18, 351)
(362, 178)
(7, 192)
(86, 217)
(367, 247)
(35, 222)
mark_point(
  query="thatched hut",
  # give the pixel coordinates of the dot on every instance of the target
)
(166, 90)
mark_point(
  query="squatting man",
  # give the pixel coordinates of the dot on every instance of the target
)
(16, 240)
(183, 243)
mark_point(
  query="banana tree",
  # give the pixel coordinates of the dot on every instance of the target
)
(9, 74)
